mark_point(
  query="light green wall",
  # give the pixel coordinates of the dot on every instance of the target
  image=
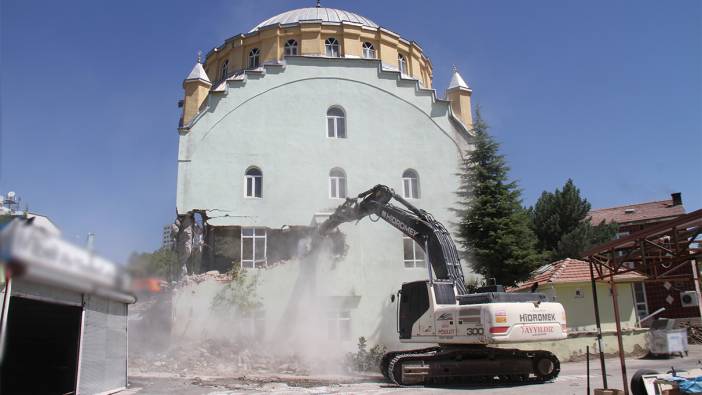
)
(581, 313)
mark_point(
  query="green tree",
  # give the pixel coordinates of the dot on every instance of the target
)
(562, 226)
(161, 263)
(494, 228)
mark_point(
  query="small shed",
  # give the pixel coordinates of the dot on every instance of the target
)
(568, 282)
(63, 327)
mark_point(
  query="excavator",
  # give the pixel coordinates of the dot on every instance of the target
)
(465, 326)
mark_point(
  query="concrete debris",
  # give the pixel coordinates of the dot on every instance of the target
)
(216, 358)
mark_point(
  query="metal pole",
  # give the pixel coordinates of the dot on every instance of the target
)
(599, 326)
(695, 276)
(587, 359)
(617, 321)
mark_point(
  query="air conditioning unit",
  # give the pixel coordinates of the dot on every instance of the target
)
(689, 299)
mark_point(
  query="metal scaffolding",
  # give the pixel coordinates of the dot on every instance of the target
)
(664, 252)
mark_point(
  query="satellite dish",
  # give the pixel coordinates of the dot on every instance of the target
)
(11, 196)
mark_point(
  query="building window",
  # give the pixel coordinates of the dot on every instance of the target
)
(402, 63)
(337, 183)
(254, 58)
(339, 325)
(368, 50)
(291, 48)
(332, 48)
(253, 247)
(640, 299)
(414, 255)
(410, 184)
(225, 71)
(254, 182)
(336, 123)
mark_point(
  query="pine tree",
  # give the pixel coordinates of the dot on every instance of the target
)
(561, 224)
(494, 227)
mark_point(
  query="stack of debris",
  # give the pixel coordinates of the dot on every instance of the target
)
(694, 333)
(214, 358)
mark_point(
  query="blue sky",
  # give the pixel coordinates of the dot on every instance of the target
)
(607, 93)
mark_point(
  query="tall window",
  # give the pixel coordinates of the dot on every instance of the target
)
(336, 123)
(253, 247)
(332, 48)
(339, 325)
(410, 184)
(254, 58)
(368, 50)
(402, 63)
(337, 183)
(225, 71)
(414, 255)
(254, 182)
(291, 48)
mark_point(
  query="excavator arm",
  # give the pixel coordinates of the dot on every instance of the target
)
(417, 224)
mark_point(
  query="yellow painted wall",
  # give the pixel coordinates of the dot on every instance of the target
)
(310, 38)
(580, 312)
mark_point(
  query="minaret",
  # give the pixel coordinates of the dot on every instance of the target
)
(197, 86)
(458, 93)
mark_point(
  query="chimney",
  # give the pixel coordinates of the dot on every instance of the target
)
(677, 198)
(458, 93)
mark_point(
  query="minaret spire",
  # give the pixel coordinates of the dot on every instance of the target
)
(199, 56)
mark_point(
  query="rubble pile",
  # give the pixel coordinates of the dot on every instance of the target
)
(211, 275)
(214, 358)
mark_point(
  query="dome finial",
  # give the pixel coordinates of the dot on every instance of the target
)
(454, 69)
(319, 3)
(199, 56)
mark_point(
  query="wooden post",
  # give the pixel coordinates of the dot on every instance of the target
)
(599, 327)
(617, 321)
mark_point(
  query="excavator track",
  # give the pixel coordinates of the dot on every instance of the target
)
(439, 365)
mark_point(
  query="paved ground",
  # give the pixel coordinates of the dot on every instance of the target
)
(572, 380)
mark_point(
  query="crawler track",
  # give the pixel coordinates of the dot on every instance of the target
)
(439, 365)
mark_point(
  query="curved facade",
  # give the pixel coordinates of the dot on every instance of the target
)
(265, 153)
(310, 28)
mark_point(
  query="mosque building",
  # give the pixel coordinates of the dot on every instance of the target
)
(279, 126)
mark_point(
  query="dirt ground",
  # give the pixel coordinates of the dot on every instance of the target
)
(572, 380)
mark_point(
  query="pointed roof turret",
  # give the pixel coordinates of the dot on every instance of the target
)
(198, 73)
(457, 81)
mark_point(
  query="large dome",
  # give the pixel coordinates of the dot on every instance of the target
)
(316, 14)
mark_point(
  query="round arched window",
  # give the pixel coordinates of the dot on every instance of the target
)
(254, 58)
(290, 48)
(253, 179)
(410, 184)
(368, 50)
(336, 123)
(337, 183)
(332, 47)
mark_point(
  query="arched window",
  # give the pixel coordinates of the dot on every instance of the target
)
(368, 50)
(402, 63)
(254, 182)
(410, 184)
(290, 48)
(332, 48)
(225, 71)
(336, 123)
(254, 58)
(337, 183)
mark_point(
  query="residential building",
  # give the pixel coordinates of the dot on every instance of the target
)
(651, 296)
(280, 125)
(168, 237)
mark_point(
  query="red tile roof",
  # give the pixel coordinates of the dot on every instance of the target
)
(569, 271)
(637, 212)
